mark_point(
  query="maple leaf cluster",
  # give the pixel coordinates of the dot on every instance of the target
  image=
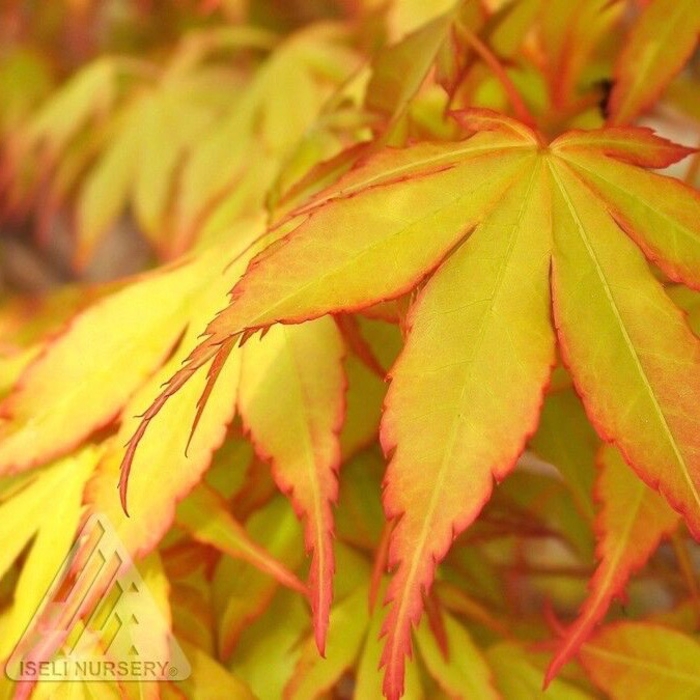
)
(406, 392)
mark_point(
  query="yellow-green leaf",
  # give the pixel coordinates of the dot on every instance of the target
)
(36, 509)
(210, 679)
(644, 661)
(465, 394)
(519, 678)
(292, 402)
(464, 673)
(621, 335)
(660, 43)
(631, 522)
(348, 626)
(87, 374)
(152, 509)
(204, 515)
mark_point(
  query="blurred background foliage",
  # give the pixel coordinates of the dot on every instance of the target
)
(125, 120)
(133, 131)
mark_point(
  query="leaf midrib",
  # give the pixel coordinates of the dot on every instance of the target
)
(389, 177)
(440, 478)
(312, 475)
(673, 223)
(260, 320)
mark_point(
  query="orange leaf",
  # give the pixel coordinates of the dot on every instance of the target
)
(630, 524)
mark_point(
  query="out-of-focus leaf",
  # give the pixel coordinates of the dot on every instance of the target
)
(643, 661)
(188, 565)
(512, 24)
(464, 673)
(658, 46)
(348, 625)
(409, 15)
(35, 510)
(204, 516)
(25, 78)
(275, 635)
(70, 109)
(88, 373)
(631, 522)
(70, 690)
(364, 398)
(544, 499)
(242, 593)
(359, 517)
(566, 439)
(230, 468)
(517, 678)
(572, 30)
(106, 191)
(209, 679)
(268, 119)
(400, 70)
(366, 389)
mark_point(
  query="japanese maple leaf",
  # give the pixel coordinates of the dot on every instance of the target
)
(524, 243)
(630, 524)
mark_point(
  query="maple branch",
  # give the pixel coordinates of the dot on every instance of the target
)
(491, 60)
(563, 570)
(457, 601)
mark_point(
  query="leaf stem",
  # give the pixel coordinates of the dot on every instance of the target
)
(457, 601)
(491, 60)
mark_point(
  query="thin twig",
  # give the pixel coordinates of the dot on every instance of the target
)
(491, 60)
